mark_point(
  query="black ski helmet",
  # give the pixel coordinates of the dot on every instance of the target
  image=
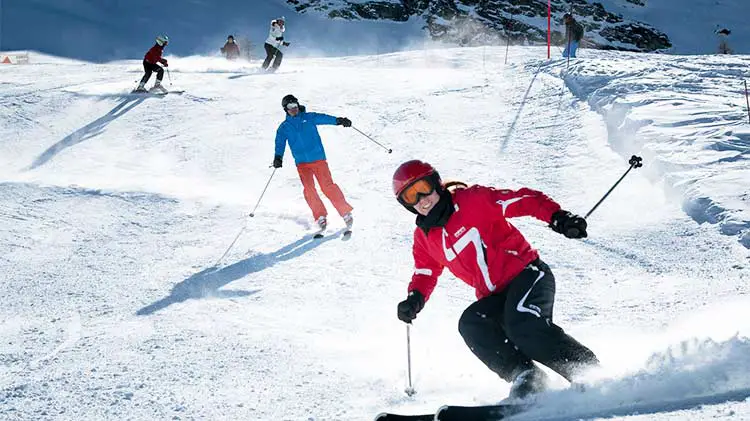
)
(288, 99)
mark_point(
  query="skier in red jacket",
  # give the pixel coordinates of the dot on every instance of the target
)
(467, 230)
(150, 60)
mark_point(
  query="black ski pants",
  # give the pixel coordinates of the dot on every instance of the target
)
(509, 330)
(150, 68)
(272, 53)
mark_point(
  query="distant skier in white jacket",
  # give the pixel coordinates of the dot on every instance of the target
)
(273, 45)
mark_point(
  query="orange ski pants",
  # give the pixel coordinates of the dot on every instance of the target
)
(310, 171)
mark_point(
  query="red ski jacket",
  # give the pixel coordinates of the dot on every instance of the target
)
(478, 244)
(153, 55)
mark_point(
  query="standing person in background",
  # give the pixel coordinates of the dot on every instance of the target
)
(273, 45)
(150, 60)
(723, 35)
(573, 35)
(230, 49)
(300, 130)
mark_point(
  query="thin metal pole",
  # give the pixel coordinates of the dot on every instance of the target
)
(748, 102)
(373, 140)
(635, 162)
(549, 27)
(262, 193)
(245, 226)
(409, 390)
(230, 247)
(567, 63)
(507, 35)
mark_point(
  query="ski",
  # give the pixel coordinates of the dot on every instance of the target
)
(385, 416)
(137, 92)
(460, 413)
(346, 235)
(478, 413)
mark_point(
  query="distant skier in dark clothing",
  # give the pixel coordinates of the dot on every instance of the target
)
(273, 45)
(573, 35)
(230, 49)
(150, 60)
(723, 35)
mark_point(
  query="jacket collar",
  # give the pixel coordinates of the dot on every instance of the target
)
(302, 110)
(439, 214)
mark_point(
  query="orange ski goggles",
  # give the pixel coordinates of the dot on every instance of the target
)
(414, 192)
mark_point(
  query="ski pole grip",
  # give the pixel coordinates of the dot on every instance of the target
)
(635, 161)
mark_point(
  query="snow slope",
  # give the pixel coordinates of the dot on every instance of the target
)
(115, 209)
(694, 130)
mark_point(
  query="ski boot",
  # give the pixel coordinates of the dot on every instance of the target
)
(322, 224)
(140, 89)
(528, 383)
(157, 88)
(348, 220)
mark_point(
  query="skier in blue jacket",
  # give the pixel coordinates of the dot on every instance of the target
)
(300, 130)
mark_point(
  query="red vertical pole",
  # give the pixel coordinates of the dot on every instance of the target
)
(549, 27)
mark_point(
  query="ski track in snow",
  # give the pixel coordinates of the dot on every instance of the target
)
(114, 211)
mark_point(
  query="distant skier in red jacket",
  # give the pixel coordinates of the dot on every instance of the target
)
(150, 60)
(467, 230)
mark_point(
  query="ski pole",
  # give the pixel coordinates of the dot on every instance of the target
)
(635, 162)
(373, 140)
(252, 214)
(507, 35)
(230, 247)
(169, 75)
(409, 390)
(748, 102)
(245, 227)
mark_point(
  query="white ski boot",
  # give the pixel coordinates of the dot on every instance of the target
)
(157, 88)
(348, 220)
(322, 225)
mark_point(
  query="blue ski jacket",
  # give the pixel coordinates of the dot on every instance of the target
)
(301, 132)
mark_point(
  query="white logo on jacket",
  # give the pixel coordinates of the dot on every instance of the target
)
(470, 237)
(505, 203)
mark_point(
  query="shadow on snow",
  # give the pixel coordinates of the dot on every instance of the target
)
(207, 283)
(88, 131)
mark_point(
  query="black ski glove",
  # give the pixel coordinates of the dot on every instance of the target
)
(408, 309)
(279, 38)
(568, 224)
(277, 161)
(285, 44)
(343, 121)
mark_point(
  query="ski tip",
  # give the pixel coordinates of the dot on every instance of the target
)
(346, 235)
(381, 416)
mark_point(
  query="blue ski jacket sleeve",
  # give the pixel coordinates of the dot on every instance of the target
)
(301, 133)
